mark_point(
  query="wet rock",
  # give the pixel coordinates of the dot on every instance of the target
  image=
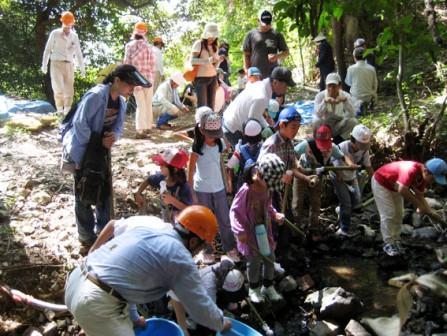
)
(50, 329)
(407, 229)
(41, 198)
(427, 232)
(383, 326)
(287, 284)
(434, 203)
(335, 304)
(323, 329)
(305, 282)
(354, 328)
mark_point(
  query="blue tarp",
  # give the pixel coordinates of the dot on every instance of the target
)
(306, 109)
(9, 106)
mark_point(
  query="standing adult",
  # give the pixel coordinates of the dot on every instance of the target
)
(263, 47)
(158, 69)
(139, 266)
(95, 127)
(325, 60)
(253, 102)
(62, 47)
(224, 48)
(140, 54)
(204, 55)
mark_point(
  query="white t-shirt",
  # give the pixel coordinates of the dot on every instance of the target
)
(359, 157)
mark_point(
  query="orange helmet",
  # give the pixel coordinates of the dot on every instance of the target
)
(199, 220)
(157, 39)
(140, 27)
(67, 18)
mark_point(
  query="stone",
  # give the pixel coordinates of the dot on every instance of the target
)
(407, 229)
(41, 197)
(383, 326)
(434, 203)
(50, 329)
(28, 229)
(32, 331)
(321, 329)
(335, 304)
(427, 232)
(354, 328)
(287, 284)
(279, 329)
(416, 219)
(305, 282)
(367, 231)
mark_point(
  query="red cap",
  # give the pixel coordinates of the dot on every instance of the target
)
(172, 157)
(323, 137)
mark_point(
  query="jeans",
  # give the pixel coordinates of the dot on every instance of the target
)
(254, 270)
(348, 194)
(85, 220)
(206, 91)
(165, 118)
(218, 203)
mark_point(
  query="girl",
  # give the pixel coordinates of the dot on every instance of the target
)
(171, 180)
(205, 175)
(251, 213)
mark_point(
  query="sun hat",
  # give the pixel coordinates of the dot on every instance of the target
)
(323, 137)
(362, 136)
(272, 169)
(200, 112)
(172, 157)
(283, 74)
(265, 17)
(178, 78)
(211, 125)
(288, 114)
(320, 37)
(211, 30)
(438, 168)
(333, 78)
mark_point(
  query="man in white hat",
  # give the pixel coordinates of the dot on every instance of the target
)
(325, 60)
(166, 103)
(263, 47)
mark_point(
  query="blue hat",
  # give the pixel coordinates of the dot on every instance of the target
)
(254, 71)
(438, 168)
(288, 114)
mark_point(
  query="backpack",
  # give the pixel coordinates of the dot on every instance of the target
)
(317, 153)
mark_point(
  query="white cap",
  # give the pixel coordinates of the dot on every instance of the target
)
(320, 37)
(361, 133)
(233, 281)
(360, 42)
(333, 78)
(252, 128)
(178, 78)
(273, 106)
(200, 112)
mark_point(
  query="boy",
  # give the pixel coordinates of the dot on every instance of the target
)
(241, 80)
(312, 154)
(399, 180)
(347, 185)
(254, 75)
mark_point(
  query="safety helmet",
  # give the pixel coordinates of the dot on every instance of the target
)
(233, 281)
(199, 220)
(67, 18)
(141, 27)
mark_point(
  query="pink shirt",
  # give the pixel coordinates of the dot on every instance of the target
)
(139, 54)
(407, 173)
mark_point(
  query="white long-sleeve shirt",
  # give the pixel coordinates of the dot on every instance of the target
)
(158, 60)
(167, 97)
(63, 47)
(362, 79)
(326, 111)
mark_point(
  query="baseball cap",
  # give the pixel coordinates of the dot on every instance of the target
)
(233, 281)
(178, 78)
(360, 42)
(283, 74)
(273, 108)
(211, 125)
(323, 137)
(254, 71)
(362, 135)
(438, 168)
(172, 157)
(129, 74)
(265, 18)
(288, 114)
(272, 169)
(333, 78)
(252, 128)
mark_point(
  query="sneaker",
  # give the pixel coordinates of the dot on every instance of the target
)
(255, 295)
(271, 293)
(391, 250)
(279, 269)
(234, 255)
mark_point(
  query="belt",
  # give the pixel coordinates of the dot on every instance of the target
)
(106, 288)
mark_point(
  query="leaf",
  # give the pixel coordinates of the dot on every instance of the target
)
(436, 282)
(404, 303)
(338, 12)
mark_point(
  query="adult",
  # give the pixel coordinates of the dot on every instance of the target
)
(362, 79)
(158, 45)
(139, 266)
(166, 103)
(253, 102)
(325, 61)
(95, 127)
(403, 180)
(204, 55)
(62, 47)
(334, 108)
(224, 48)
(140, 54)
(263, 47)
(371, 57)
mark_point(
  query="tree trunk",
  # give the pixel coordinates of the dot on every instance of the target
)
(337, 28)
(403, 105)
(430, 13)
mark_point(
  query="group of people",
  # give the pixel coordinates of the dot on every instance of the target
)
(269, 175)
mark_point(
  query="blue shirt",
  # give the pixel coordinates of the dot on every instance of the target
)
(208, 176)
(89, 117)
(143, 264)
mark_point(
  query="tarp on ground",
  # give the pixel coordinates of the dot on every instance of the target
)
(306, 109)
(10, 106)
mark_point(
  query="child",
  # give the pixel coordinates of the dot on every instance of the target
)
(313, 154)
(399, 180)
(176, 194)
(254, 75)
(241, 80)
(271, 116)
(346, 185)
(206, 176)
(252, 208)
(245, 154)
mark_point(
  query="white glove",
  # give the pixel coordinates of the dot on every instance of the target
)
(44, 69)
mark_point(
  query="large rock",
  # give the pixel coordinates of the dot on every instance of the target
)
(335, 304)
(323, 328)
(427, 232)
(41, 197)
(287, 284)
(383, 326)
(355, 329)
(434, 203)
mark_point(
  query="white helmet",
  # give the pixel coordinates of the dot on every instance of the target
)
(362, 134)
(233, 281)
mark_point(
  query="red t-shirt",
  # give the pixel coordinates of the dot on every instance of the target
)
(407, 173)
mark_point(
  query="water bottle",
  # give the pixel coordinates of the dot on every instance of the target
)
(262, 240)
